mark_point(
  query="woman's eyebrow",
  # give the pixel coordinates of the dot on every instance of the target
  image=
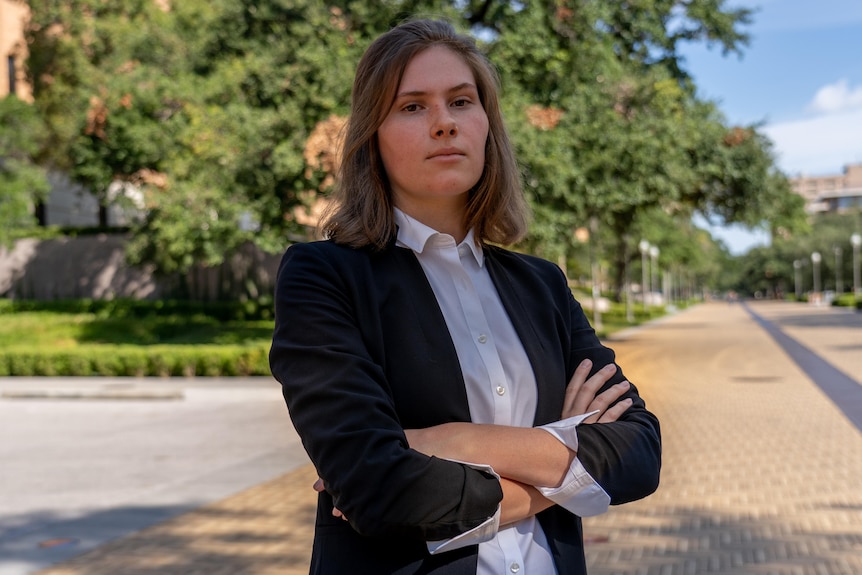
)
(415, 93)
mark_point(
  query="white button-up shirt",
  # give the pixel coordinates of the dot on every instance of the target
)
(501, 389)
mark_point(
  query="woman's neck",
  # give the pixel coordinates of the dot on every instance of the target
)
(446, 219)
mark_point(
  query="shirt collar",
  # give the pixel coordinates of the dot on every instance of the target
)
(415, 235)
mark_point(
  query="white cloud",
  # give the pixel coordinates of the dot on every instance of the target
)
(821, 145)
(836, 97)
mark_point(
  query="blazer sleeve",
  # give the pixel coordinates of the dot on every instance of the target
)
(325, 353)
(624, 457)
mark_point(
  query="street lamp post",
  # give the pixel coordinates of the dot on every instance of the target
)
(797, 278)
(644, 246)
(815, 260)
(594, 272)
(654, 252)
(856, 241)
(630, 314)
(839, 281)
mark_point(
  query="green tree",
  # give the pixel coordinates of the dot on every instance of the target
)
(205, 107)
(608, 124)
(105, 79)
(23, 183)
(737, 180)
(770, 270)
(222, 115)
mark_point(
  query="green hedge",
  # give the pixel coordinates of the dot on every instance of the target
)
(134, 361)
(257, 309)
(847, 300)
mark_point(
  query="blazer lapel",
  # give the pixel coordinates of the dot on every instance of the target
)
(430, 325)
(545, 354)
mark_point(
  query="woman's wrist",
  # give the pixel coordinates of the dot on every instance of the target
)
(527, 455)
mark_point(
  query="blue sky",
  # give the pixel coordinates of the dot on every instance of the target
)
(800, 77)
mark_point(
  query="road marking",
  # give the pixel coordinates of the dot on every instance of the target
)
(844, 391)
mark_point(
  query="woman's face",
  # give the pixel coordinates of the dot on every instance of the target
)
(432, 142)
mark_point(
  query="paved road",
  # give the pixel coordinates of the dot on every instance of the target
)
(761, 468)
(93, 459)
(762, 471)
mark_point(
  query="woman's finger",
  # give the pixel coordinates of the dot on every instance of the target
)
(602, 402)
(574, 387)
(586, 392)
(318, 486)
(614, 412)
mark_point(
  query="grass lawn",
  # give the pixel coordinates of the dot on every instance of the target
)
(26, 331)
(153, 339)
(81, 343)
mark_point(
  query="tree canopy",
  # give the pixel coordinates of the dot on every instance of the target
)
(226, 113)
(22, 181)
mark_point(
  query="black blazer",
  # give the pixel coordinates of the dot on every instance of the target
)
(362, 352)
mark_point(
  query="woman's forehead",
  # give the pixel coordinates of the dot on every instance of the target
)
(435, 68)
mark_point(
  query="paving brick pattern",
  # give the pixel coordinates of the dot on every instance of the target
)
(762, 474)
(266, 530)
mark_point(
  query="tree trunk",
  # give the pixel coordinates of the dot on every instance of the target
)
(620, 225)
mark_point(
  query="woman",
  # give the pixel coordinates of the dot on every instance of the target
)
(416, 358)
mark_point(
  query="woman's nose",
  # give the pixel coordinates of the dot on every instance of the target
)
(444, 124)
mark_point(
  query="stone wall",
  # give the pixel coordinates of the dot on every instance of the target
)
(95, 267)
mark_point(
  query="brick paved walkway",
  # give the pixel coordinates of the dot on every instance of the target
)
(266, 530)
(762, 473)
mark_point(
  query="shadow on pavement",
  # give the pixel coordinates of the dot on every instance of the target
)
(39, 539)
(851, 320)
(690, 540)
(264, 530)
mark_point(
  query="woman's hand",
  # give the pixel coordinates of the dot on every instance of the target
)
(507, 448)
(471, 442)
(318, 486)
(582, 394)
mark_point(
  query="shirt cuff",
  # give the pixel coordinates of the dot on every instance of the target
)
(579, 493)
(486, 531)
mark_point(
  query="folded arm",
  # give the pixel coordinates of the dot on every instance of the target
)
(526, 458)
(339, 402)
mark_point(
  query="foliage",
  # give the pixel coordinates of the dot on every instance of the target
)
(206, 116)
(786, 267)
(847, 300)
(205, 108)
(22, 182)
(737, 181)
(149, 339)
(130, 338)
(609, 129)
(135, 361)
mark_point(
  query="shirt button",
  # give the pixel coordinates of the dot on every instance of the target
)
(483, 338)
(501, 391)
(514, 568)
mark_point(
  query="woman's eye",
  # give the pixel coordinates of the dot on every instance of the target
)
(461, 103)
(411, 107)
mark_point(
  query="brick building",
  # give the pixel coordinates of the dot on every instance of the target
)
(833, 193)
(13, 49)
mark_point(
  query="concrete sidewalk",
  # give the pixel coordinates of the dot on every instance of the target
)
(762, 472)
(88, 460)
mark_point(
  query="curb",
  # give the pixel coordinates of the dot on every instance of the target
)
(92, 394)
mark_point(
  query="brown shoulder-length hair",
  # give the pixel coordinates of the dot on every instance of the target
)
(362, 214)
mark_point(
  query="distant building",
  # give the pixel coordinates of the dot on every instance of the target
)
(834, 194)
(13, 50)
